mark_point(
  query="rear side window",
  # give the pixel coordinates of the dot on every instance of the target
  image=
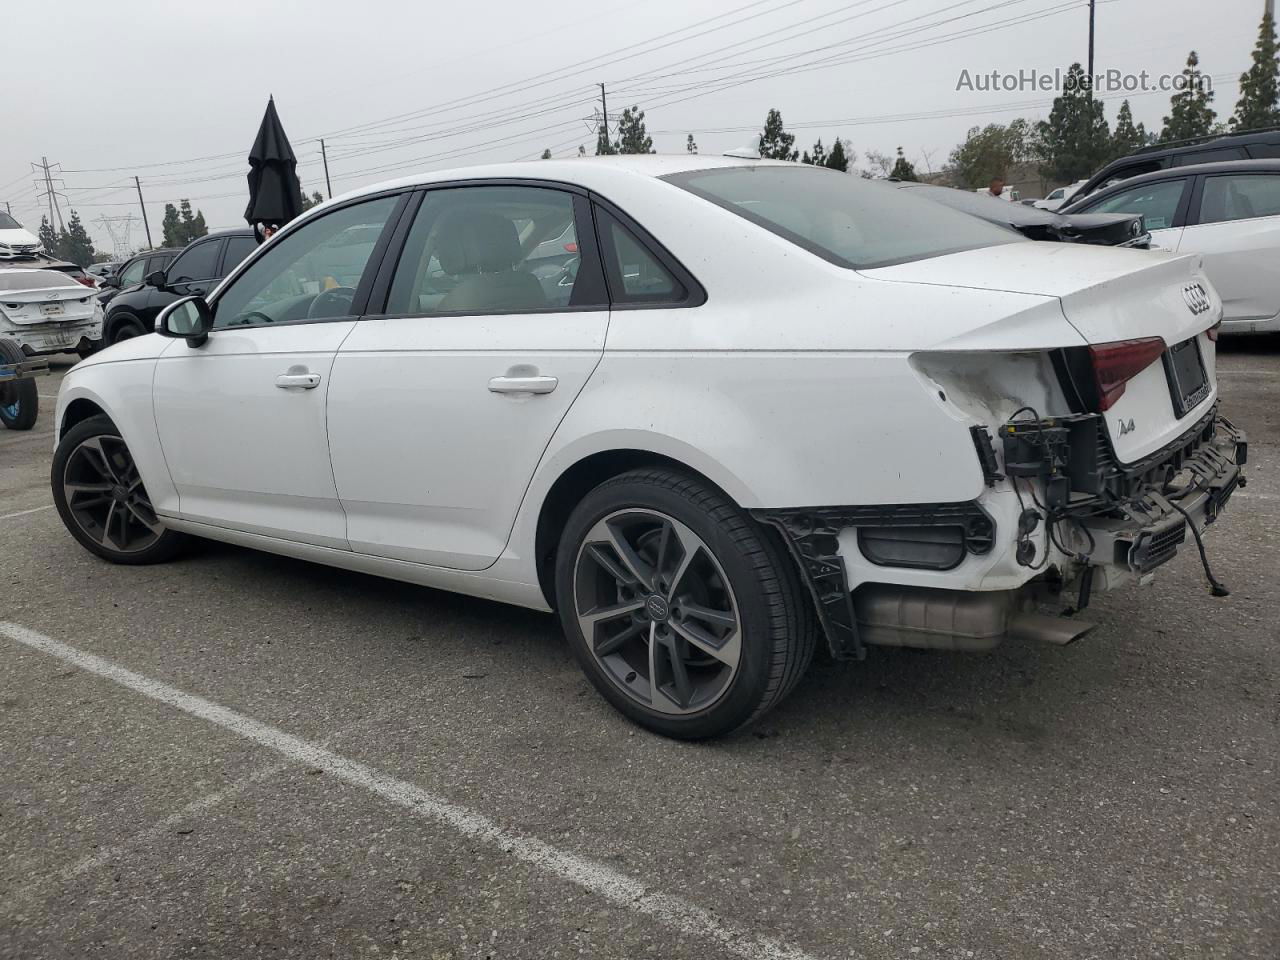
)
(492, 250)
(846, 220)
(199, 262)
(1158, 202)
(1240, 197)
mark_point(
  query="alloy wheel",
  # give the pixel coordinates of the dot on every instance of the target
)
(106, 497)
(657, 611)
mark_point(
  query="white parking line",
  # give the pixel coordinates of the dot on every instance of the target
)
(602, 880)
(23, 513)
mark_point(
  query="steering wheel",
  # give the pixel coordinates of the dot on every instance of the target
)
(253, 315)
(341, 295)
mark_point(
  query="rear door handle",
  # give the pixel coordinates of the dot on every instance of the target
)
(523, 384)
(298, 381)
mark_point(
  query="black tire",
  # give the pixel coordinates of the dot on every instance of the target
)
(19, 399)
(154, 543)
(126, 327)
(776, 625)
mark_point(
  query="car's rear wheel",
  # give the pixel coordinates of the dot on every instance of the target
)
(681, 610)
(126, 328)
(101, 499)
(19, 400)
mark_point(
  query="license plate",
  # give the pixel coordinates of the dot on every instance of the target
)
(52, 309)
(1188, 383)
(59, 338)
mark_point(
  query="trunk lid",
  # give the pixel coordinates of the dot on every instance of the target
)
(48, 304)
(1109, 295)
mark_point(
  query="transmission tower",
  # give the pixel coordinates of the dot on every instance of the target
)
(45, 179)
(119, 229)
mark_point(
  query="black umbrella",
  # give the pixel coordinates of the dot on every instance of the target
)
(275, 195)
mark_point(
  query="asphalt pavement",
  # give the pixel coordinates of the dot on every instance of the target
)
(238, 755)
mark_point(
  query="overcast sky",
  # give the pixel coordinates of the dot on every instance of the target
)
(173, 91)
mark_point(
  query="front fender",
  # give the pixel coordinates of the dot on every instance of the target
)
(120, 386)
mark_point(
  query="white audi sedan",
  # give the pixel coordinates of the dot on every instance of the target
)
(747, 408)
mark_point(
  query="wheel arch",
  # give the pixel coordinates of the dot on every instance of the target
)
(79, 410)
(588, 471)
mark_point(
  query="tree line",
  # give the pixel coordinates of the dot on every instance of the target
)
(1074, 142)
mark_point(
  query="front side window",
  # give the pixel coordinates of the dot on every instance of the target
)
(846, 220)
(488, 249)
(133, 273)
(1157, 202)
(237, 249)
(8, 223)
(309, 274)
(1240, 197)
(198, 262)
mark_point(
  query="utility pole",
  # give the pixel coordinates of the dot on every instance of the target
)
(1092, 11)
(604, 113)
(325, 157)
(138, 184)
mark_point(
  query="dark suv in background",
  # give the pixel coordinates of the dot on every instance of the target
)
(195, 270)
(1250, 145)
(132, 272)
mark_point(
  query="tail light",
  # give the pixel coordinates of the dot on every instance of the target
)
(1115, 364)
(88, 282)
(1212, 332)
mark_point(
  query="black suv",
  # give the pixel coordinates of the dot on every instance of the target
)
(196, 270)
(133, 271)
(1251, 145)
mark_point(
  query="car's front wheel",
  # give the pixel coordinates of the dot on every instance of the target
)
(101, 499)
(682, 611)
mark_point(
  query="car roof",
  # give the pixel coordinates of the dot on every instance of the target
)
(585, 171)
(1212, 141)
(224, 232)
(1173, 173)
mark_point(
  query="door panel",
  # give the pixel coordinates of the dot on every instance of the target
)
(430, 464)
(242, 451)
(440, 409)
(1240, 257)
(242, 416)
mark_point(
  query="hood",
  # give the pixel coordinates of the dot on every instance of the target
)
(148, 347)
(18, 238)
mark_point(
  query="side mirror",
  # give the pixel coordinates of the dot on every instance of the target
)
(155, 278)
(110, 281)
(188, 319)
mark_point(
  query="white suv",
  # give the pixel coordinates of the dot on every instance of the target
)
(765, 406)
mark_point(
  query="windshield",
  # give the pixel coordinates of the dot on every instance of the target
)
(8, 223)
(32, 280)
(845, 219)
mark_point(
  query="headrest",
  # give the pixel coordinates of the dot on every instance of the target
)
(473, 241)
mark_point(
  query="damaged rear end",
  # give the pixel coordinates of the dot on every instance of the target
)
(1103, 453)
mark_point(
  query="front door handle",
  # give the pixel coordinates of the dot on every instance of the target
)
(298, 381)
(523, 384)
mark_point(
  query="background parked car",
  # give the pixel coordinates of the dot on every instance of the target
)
(15, 240)
(45, 311)
(134, 270)
(41, 261)
(101, 271)
(1059, 197)
(1229, 213)
(195, 270)
(1112, 230)
(1253, 145)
